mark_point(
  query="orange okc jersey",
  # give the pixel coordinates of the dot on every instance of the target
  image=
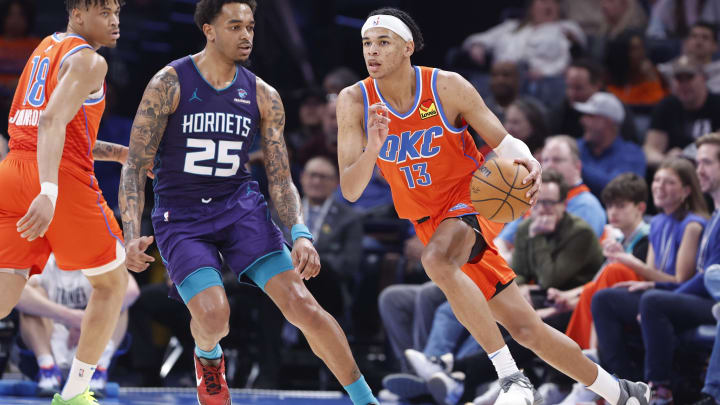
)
(426, 160)
(36, 85)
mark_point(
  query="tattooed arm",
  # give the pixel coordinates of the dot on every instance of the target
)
(108, 151)
(160, 100)
(283, 192)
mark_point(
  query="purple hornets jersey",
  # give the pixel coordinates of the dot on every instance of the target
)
(205, 146)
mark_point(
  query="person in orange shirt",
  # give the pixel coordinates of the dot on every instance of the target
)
(51, 201)
(412, 122)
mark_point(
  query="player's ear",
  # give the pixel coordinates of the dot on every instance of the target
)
(409, 48)
(209, 32)
(76, 16)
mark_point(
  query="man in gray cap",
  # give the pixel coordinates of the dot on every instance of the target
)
(690, 112)
(603, 153)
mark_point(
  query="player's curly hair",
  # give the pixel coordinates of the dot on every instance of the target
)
(404, 17)
(71, 4)
(207, 10)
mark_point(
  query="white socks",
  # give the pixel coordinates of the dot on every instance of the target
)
(606, 386)
(45, 361)
(504, 362)
(78, 379)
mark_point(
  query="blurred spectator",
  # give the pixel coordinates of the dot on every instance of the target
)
(525, 120)
(310, 112)
(16, 45)
(542, 40)
(504, 87)
(561, 153)
(621, 15)
(690, 112)
(699, 46)
(407, 312)
(51, 311)
(632, 77)
(3, 147)
(673, 18)
(583, 78)
(671, 309)
(603, 152)
(337, 231)
(338, 79)
(553, 248)
(323, 143)
(616, 16)
(674, 238)
(626, 200)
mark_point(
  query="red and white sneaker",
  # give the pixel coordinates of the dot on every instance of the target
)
(212, 389)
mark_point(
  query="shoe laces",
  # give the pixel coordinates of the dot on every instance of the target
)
(518, 379)
(212, 379)
(88, 396)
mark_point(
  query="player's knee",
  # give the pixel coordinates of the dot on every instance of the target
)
(214, 319)
(107, 284)
(436, 264)
(302, 310)
(529, 334)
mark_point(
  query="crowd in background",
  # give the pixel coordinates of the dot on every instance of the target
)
(615, 98)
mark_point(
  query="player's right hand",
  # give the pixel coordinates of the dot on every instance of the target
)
(135, 258)
(378, 126)
(37, 219)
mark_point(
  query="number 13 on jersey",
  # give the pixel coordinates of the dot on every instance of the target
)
(417, 174)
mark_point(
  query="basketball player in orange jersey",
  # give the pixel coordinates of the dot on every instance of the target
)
(412, 121)
(50, 197)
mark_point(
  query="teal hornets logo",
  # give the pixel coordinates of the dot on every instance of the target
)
(241, 94)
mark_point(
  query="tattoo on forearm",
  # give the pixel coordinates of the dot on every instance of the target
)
(283, 192)
(159, 101)
(107, 151)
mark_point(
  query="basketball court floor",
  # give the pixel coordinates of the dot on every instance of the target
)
(187, 396)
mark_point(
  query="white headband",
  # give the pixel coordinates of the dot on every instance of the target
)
(392, 23)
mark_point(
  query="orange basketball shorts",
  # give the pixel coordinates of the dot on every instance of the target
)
(83, 234)
(491, 271)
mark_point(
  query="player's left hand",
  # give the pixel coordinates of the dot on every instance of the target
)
(535, 176)
(37, 219)
(305, 258)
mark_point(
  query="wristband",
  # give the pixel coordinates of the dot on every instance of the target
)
(51, 190)
(300, 231)
(512, 148)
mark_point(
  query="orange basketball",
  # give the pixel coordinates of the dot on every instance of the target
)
(497, 191)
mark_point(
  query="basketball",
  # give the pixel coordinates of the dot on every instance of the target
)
(497, 192)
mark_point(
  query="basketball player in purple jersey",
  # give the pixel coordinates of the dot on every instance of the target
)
(194, 126)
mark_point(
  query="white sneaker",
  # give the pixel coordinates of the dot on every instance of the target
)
(516, 389)
(551, 393)
(579, 393)
(386, 396)
(489, 396)
(425, 366)
(447, 389)
(716, 311)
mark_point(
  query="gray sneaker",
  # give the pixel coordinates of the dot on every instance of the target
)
(516, 389)
(633, 393)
